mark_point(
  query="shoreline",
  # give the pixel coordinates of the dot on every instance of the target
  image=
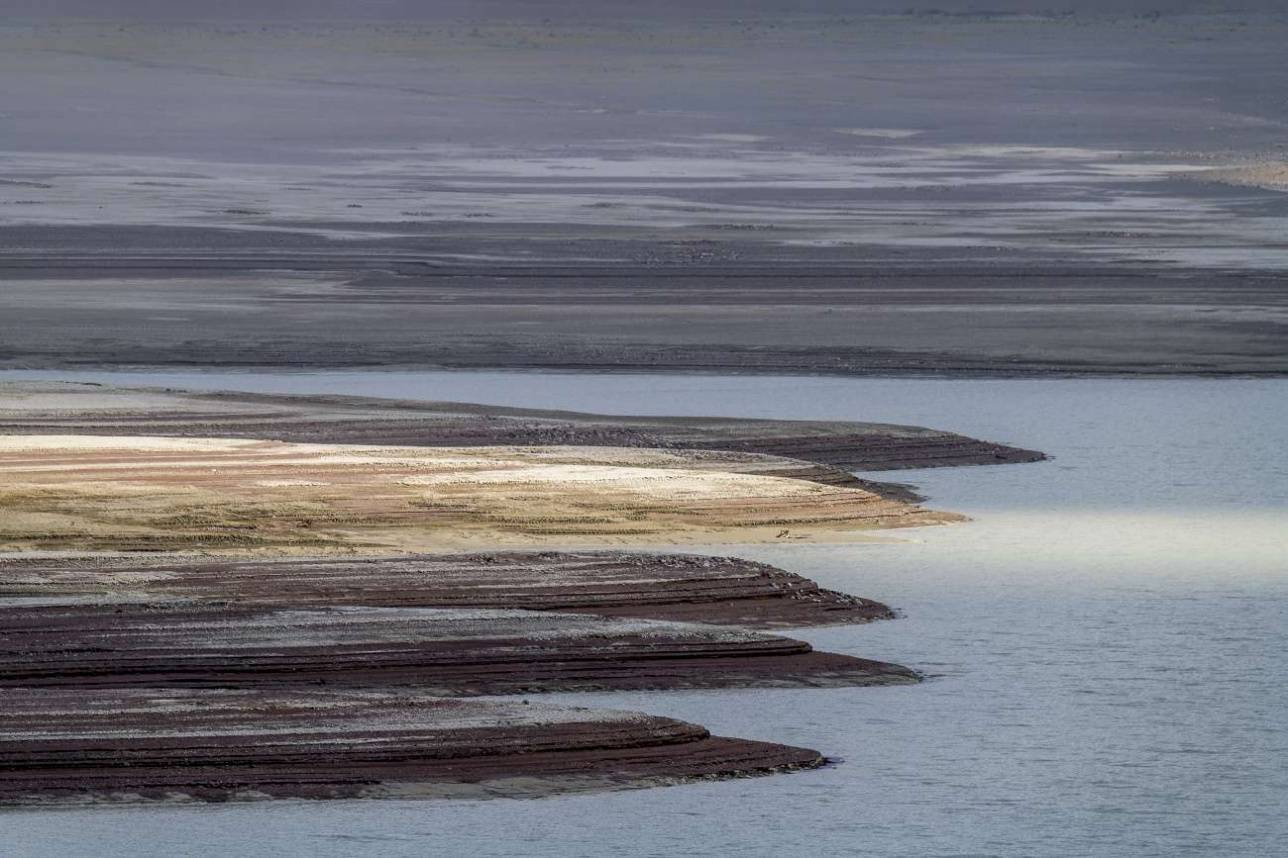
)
(819, 450)
(276, 631)
(54, 371)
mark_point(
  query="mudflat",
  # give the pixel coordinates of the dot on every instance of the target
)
(878, 317)
(128, 745)
(818, 451)
(717, 590)
(181, 582)
(143, 678)
(239, 677)
(98, 468)
(855, 188)
(442, 651)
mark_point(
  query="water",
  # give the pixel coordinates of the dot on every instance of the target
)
(1106, 642)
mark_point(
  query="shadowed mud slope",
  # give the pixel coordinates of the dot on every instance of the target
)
(128, 745)
(442, 651)
(721, 590)
(134, 678)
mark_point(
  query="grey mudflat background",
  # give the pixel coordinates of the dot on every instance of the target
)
(851, 189)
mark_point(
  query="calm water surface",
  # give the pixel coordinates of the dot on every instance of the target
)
(1106, 642)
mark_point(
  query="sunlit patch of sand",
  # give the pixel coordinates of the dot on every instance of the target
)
(151, 493)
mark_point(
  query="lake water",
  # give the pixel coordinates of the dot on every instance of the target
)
(1106, 644)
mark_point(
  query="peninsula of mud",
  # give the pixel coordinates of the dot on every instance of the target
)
(61, 747)
(229, 596)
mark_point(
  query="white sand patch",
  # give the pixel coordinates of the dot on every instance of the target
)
(100, 492)
(282, 484)
(880, 133)
(135, 444)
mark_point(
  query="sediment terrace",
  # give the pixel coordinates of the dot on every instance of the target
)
(129, 678)
(444, 651)
(717, 590)
(69, 745)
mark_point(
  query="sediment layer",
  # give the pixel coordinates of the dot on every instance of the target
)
(129, 678)
(821, 451)
(775, 309)
(717, 590)
(136, 745)
(442, 651)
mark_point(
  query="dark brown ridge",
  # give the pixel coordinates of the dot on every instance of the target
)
(456, 652)
(131, 745)
(720, 590)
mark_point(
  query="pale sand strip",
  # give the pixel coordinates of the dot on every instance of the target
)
(145, 493)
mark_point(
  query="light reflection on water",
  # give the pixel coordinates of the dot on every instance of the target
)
(1104, 640)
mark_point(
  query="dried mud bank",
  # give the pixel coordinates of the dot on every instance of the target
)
(714, 590)
(822, 451)
(441, 651)
(130, 678)
(130, 745)
(894, 312)
(226, 617)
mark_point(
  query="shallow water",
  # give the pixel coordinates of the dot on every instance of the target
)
(1105, 642)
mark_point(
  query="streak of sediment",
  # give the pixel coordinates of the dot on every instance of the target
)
(446, 651)
(131, 745)
(832, 448)
(719, 590)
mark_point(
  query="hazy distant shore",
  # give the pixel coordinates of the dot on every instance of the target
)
(374, 308)
(754, 189)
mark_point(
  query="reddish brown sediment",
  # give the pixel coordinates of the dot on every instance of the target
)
(832, 444)
(73, 745)
(823, 451)
(444, 651)
(719, 590)
(113, 642)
